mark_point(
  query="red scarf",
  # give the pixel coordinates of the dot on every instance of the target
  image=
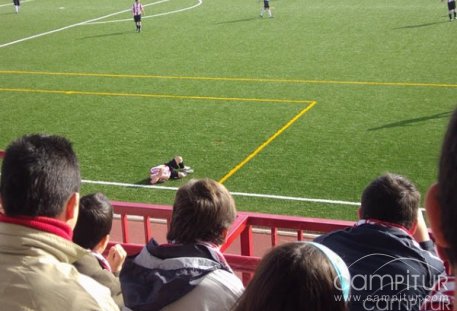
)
(50, 225)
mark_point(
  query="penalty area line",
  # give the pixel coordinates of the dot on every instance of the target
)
(240, 194)
(267, 142)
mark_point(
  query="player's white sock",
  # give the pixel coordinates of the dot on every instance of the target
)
(269, 12)
(17, 8)
(262, 11)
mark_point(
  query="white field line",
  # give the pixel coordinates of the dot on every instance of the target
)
(241, 194)
(200, 2)
(11, 4)
(67, 27)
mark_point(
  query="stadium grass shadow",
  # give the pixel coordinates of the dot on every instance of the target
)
(238, 21)
(109, 35)
(144, 181)
(412, 121)
(421, 25)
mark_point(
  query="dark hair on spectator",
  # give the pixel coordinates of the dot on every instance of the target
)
(294, 276)
(95, 220)
(391, 198)
(202, 210)
(447, 187)
(39, 174)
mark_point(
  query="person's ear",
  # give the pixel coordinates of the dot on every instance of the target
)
(434, 215)
(72, 210)
(413, 228)
(359, 212)
(101, 246)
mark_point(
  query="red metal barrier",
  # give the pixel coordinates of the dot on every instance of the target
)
(241, 232)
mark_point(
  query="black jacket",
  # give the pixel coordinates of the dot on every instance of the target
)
(389, 269)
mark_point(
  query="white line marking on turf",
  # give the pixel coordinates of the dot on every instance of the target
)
(200, 2)
(70, 26)
(241, 194)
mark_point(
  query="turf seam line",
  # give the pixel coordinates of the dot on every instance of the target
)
(234, 79)
(167, 96)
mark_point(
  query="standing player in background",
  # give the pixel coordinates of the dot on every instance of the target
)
(266, 7)
(451, 9)
(17, 4)
(137, 10)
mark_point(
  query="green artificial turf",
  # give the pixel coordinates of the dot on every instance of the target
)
(221, 86)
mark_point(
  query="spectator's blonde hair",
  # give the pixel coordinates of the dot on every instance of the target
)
(202, 210)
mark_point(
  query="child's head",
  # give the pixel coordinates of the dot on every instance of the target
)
(203, 211)
(94, 222)
(298, 276)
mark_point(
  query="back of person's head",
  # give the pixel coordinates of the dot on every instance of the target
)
(95, 220)
(391, 198)
(297, 276)
(39, 174)
(447, 188)
(203, 210)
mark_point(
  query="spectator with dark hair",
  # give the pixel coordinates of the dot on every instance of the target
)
(298, 276)
(92, 232)
(189, 273)
(39, 190)
(441, 205)
(389, 252)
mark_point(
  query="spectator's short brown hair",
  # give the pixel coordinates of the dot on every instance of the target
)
(391, 198)
(202, 210)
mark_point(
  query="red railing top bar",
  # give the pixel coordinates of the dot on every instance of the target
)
(242, 222)
(142, 209)
(296, 223)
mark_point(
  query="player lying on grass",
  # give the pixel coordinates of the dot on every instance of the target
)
(173, 169)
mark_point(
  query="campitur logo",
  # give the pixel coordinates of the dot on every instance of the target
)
(388, 286)
(401, 302)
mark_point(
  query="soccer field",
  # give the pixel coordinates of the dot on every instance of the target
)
(295, 114)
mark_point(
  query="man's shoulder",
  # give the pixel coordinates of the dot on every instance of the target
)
(51, 284)
(335, 235)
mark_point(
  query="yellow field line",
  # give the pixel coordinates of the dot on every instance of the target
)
(168, 96)
(267, 142)
(263, 80)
